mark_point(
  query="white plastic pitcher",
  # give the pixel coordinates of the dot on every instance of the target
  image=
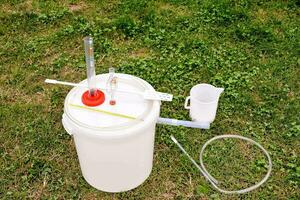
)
(115, 153)
(203, 102)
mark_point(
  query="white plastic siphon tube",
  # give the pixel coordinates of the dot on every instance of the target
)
(90, 64)
(211, 179)
(176, 122)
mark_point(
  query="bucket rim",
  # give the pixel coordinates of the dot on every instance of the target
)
(127, 125)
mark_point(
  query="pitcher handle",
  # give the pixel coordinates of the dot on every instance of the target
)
(187, 102)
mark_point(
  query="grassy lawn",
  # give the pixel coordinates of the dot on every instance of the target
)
(249, 47)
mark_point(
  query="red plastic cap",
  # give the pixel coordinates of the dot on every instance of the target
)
(97, 99)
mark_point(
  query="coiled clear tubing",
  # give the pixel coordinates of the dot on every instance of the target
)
(211, 179)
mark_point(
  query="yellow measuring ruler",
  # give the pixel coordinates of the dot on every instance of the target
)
(103, 111)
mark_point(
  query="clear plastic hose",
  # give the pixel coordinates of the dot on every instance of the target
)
(211, 179)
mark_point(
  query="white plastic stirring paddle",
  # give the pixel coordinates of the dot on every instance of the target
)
(148, 94)
(52, 81)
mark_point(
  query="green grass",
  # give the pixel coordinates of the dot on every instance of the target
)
(249, 47)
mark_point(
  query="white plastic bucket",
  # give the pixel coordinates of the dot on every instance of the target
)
(115, 154)
(203, 102)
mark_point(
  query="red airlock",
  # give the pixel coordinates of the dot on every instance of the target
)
(93, 100)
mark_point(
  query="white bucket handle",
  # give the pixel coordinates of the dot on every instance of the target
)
(68, 129)
(187, 102)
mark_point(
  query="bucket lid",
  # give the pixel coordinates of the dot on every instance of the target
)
(130, 108)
